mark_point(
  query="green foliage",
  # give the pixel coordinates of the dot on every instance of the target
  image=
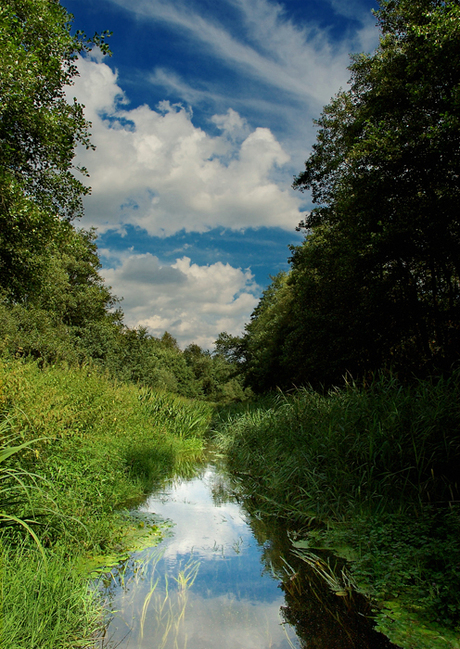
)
(265, 334)
(374, 470)
(376, 282)
(353, 449)
(25, 233)
(101, 446)
(39, 127)
(104, 443)
(46, 605)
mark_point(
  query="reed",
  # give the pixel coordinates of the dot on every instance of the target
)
(371, 469)
(383, 448)
(153, 600)
(46, 604)
(77, 450)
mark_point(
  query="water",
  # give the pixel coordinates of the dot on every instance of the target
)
(223, 579)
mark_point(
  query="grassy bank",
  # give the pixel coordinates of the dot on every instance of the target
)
(374, 471)
(94, 447)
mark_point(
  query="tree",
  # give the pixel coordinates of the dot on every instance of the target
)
(265, 336)
(384, 174)
(231, 348)
(71, 286)
(39, 128)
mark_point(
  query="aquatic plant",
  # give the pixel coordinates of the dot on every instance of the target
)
(150, 595)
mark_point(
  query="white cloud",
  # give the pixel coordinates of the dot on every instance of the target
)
(194, 303)
(299, 60)
(234, 126)
(156, 170)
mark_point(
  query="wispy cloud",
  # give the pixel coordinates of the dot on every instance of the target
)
(298, 60)
(274, 70)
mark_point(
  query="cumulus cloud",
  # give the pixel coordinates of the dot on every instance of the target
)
(234, 126)
(194, 303)
(156, 170)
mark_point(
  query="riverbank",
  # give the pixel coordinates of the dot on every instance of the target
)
(372, 474)
(94, 446)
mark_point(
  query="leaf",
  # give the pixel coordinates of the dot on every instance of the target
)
(7, 452)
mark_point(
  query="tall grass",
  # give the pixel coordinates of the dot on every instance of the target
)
(386, 447)
(84, 448)
(46, 603)
(375, 470)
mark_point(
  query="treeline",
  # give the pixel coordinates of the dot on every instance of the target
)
(376, 283)
(63, 312)
(54, 304)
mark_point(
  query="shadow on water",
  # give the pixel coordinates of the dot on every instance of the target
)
(228, 577)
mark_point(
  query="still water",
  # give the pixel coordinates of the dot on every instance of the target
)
(222, 580)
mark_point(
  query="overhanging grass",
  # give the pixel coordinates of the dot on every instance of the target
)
(46, 604)
(375, 469)
(379, 449)
(101, 446)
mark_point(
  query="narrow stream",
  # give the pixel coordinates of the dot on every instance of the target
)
(222, 579)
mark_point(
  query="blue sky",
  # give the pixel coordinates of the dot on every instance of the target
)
(201, 118)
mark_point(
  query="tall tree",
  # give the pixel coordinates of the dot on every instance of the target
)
(39, 127)
(384, 174)
(39, 131)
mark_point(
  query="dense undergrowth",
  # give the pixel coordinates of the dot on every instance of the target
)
(371, 470)
(95, 448)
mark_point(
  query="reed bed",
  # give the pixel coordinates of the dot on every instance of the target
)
(76, 450)
(372, 472)
(382, 448)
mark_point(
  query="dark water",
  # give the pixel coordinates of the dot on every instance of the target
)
(226, 579)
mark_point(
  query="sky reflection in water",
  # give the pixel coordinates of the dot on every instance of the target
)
(233, 601)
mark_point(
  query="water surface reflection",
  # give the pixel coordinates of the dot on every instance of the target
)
(218, 583)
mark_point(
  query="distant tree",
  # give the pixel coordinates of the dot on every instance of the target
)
(168, 340)
(231, 348)
(71, 285)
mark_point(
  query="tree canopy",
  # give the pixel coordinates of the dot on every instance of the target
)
(39, 127)
(39, 131)
(376, 282)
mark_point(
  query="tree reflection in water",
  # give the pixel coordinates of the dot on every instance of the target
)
(322, 618)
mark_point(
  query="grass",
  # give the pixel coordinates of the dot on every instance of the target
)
(77, 450)
(46, 603)
(153, 602)
(374, 470)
